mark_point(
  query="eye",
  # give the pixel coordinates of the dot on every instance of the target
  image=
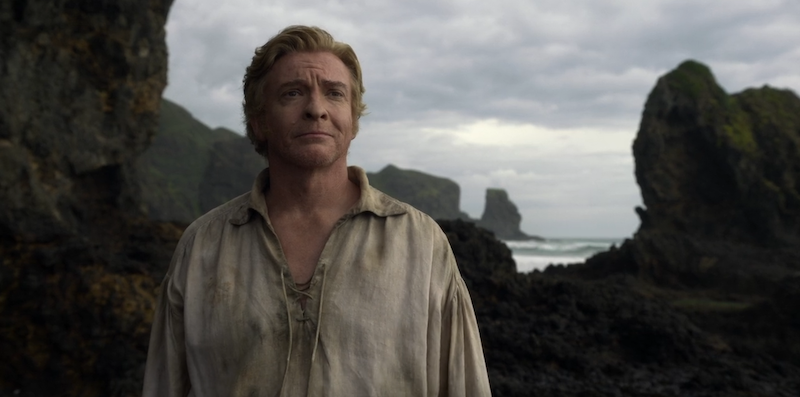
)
(336, 93)
(292, 93)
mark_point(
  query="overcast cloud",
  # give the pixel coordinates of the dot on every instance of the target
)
(542, 98)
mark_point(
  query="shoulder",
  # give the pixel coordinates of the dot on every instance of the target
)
(407, 215)
(230, 214)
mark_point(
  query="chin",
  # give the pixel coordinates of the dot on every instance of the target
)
(314, 160)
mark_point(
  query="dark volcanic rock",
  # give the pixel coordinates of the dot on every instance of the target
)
(718, 166)
(501, 216)
(547, 336)
(718, 241)
(82, 84)
(720, 177)
(79, 263)
(435, 196)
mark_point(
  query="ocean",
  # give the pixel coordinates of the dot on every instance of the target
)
(531, 255)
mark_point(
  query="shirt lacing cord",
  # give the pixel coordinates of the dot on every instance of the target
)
(304, 317)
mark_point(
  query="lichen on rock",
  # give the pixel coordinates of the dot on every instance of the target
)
(82, 84)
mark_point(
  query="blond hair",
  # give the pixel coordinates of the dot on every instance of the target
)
(289, 40)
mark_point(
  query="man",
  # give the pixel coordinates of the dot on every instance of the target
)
(314, 283)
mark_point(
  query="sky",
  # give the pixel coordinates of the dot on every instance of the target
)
(542, 98)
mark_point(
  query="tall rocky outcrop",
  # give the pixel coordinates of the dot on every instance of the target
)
(720, 167)
(82, 83)
(81, 87)
(502, 217)
(720, 180)
(702, 301)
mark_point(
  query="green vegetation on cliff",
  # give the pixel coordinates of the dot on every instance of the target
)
(433, 195)
(173, 167)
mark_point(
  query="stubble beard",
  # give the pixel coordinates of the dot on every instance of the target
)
(305, 157)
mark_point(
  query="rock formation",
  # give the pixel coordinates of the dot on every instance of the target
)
(547, 335)
(719, 176)
(720, 167)
(698, 303)
(231, 170)
(190, 169)
(182, 155)
(82, 83)
(720, 179)
(501, 216)
(435, 196)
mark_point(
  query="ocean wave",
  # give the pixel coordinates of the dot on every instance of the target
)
(526, 263)
(530, 255)
(563, 246)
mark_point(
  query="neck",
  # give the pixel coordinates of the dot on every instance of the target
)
(310, 190)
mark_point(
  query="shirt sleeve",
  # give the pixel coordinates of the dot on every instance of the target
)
(166, 371)
(464, 367)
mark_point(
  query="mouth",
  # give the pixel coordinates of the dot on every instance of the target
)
(313, 134)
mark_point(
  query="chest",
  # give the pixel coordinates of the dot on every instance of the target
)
(302, 242)
(362, 301)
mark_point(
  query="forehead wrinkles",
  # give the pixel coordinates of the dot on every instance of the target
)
(312, 67)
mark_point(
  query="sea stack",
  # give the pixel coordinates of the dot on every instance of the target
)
(720, 180)
(502, 217)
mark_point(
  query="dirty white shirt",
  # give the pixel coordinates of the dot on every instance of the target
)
(387, 312)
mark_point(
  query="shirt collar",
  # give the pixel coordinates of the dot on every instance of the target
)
(371, 200)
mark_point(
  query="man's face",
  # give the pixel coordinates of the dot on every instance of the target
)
(308, 119)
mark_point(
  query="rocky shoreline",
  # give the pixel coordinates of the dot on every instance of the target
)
(701, 301)
(556, 334)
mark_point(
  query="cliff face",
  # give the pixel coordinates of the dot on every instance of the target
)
(82, 83)
(435, 196)
(175, 169)
(720, 177)
(231, 170)
(190, 169)
(719, 239)
(502, 217)
(702, 300)
(717, 166)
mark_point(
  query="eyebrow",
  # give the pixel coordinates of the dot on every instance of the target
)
(334, 84)
(326, 83)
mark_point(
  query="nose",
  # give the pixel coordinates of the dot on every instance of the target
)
(315, 107)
